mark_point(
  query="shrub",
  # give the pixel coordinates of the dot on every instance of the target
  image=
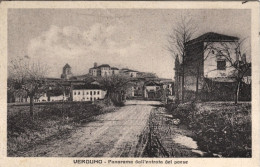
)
(49, 120)
(183, 111)
(222, 128)
(225, 132)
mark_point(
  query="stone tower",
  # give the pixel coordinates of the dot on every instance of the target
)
(66, 72)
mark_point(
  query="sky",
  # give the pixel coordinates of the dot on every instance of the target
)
(132, 38)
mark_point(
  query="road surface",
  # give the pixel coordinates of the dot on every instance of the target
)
(113, 134)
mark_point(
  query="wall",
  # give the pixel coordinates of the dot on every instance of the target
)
(88, 95)
(150, 88)
(93, 72)
(105, 71)
(115, 72)
(210, 63)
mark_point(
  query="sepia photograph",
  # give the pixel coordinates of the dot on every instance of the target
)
(143, 83)
(129, 83)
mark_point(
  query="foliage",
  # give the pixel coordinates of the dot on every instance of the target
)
(222, 128)
(178, 37)
(29, 75)
(116, 86)
(49, 121)
(238, 63)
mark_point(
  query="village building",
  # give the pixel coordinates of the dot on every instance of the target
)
(158, 89)
(103, 70)
(88, 92)
(131, 73)
(206, 68)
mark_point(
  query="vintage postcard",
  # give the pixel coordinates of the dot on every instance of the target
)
(129, 84)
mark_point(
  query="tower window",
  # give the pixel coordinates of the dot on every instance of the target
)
(221, 65)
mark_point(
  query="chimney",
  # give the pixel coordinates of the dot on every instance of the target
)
(95, 64)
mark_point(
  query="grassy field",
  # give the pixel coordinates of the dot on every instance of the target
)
(50, 122)
(219, 127)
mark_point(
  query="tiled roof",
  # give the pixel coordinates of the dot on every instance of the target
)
(114, 68)
(213, 37)
(152, 83)
(130, 70)
(104, 65)
(87, 86)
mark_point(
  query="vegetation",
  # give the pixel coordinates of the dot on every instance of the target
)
(50, 121)
(223, 128)
(177, 38)
(239, 63)
(116, 86)
(27, 75)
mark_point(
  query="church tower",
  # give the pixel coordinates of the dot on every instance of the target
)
(66, 72)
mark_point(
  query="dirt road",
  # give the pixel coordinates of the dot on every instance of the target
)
(111, 135)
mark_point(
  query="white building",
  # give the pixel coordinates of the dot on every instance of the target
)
(90, 92)
(103, 70)
(130, 73)
(205, 59)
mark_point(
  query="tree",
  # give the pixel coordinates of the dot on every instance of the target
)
(29, 74)
(116, 86)
(178, 37)
(237, 62)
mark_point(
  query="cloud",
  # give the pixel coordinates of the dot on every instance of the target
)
(80, 48)
(111, 44)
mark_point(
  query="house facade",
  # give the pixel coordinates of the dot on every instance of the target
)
(103, 70)
(88, 92)
(160, 89)
(204, 61)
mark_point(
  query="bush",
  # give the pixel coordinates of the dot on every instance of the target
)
(49, 120)
(226, 132)
(219, 128)
(183, 111)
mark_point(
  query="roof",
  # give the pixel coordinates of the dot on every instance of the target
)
(104, 65)
(164, 80)
(114, 68)
(130, 70)
(67, 66)
(87, 86)
(213, 37)
(152, 83)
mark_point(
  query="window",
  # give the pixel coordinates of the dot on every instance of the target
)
(221, 64)
(75, 93)
(90, 92)
(98, 92)
(86, 93)
(94, 92)
(79, 93)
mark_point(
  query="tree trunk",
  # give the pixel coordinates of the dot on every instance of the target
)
(237, 92)
(177, 88)
(31, 106)
(182, 85)
(197, 84)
